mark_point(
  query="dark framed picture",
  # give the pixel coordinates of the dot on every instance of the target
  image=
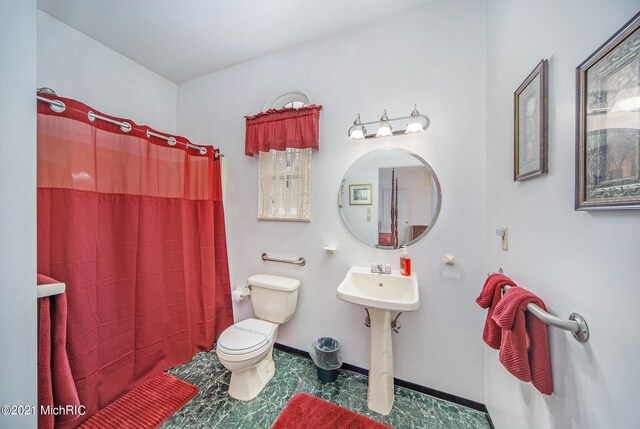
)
(608, 124)
(360, 195)
(530, 125)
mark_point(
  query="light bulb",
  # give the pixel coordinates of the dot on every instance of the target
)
(415, 122)
(356, 134)
(357, 131)
(384, 129)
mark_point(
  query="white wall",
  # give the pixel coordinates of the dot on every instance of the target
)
(432, 56)
(576, 261)
(18, 359)
(78, 67)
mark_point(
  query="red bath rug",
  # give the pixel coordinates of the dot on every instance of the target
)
(308, 412)
(146, 406)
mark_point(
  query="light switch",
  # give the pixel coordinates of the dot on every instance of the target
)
(503, 233)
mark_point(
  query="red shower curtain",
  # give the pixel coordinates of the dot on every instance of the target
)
(135, 228)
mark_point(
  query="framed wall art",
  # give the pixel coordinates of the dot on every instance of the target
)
(608, 124)
(360, 195)
(530, 125)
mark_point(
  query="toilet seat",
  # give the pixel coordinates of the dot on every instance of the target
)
(246, 339)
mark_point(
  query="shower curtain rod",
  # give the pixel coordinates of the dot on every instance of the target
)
(59, 106)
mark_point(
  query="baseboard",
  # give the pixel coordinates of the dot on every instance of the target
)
(402, 383)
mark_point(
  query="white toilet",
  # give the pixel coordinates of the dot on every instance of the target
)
(246, 348)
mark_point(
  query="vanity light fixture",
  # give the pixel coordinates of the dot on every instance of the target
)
(415, 123)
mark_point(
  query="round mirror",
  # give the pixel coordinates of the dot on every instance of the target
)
(389, 198)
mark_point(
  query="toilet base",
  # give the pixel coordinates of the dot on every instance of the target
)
(247, 383)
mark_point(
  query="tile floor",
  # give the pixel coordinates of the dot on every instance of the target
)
(213, 408)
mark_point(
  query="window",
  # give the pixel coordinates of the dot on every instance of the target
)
(285, 176)
(285, 185)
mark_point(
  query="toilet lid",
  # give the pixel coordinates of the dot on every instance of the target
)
(246, 336)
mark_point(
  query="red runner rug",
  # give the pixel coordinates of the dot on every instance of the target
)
(308, 412)
(146, 406)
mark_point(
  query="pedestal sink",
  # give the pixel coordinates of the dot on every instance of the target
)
(381, 294)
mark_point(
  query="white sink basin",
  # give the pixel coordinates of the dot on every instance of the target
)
(393, 291)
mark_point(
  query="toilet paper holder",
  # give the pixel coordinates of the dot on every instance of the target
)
(239, 294)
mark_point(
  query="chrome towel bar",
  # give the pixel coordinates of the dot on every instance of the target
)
(576, 323)
(301, 261)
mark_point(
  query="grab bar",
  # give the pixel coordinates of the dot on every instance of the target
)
(301, 261)
(576, 323)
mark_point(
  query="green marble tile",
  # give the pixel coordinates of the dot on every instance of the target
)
(253, 414)
(204, 365)
(411, 410)
(327, 391)
(206, 409)
(277, 354)
(454, 416)
(288, 358)
(213, 408)
(289, 374)
(225, 377)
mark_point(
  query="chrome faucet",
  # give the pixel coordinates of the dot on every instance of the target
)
(379, 269)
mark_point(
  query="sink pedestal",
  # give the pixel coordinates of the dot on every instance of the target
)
(380, 393)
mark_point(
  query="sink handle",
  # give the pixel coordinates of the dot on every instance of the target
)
(380, 268)
(395, 323)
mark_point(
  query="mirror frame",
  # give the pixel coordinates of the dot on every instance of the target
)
(434, 177)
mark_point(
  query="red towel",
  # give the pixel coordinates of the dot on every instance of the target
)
(55, 382)
(489, 298)
(524, 350)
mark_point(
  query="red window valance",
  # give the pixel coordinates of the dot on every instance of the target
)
(278, 129)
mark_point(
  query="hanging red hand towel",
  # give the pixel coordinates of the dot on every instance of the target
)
(524, 350)
(489, 298)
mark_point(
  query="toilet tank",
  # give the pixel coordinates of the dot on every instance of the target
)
(273, 298)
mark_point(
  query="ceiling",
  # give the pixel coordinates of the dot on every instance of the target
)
(181, 40)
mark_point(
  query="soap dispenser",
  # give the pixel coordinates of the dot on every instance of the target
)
(405, 262)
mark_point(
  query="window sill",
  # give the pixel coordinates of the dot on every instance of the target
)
(283, 219)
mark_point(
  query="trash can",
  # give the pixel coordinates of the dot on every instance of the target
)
(326, 354)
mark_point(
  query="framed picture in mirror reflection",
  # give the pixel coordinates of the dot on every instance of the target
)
(360, 195)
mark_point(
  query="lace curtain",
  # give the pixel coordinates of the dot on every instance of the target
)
(285, 183)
